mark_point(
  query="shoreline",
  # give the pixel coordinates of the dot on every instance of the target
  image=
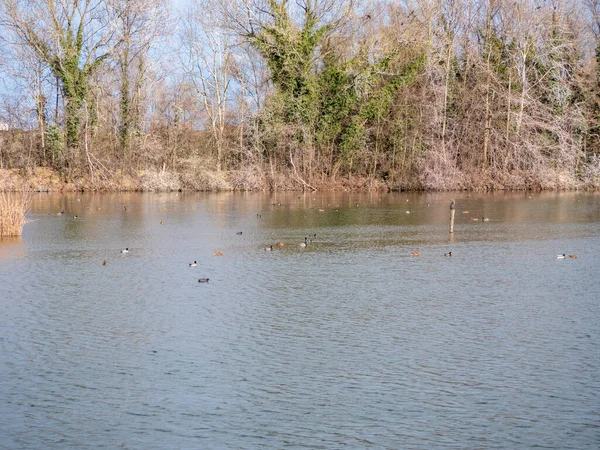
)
(43, 179)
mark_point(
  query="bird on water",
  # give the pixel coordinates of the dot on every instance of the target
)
(203, 280)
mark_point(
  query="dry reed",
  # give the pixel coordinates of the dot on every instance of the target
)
(12, 213)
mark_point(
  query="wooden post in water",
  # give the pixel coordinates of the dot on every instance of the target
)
(452, 212)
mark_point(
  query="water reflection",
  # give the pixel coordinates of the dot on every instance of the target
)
(348, 342)
(11, 247)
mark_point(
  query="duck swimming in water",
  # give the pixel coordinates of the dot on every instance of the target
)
(203, 280)
(193, 264)
(125, 250)
(304, 244)
(563, 256)
(415, 254)
(448, 254)
(269, 249)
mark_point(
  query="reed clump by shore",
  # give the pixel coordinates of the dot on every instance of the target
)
(12, 212)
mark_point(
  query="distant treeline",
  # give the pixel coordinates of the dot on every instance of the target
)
(282, 94)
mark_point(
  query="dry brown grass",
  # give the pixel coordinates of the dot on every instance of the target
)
(159, 180)
(12, 212)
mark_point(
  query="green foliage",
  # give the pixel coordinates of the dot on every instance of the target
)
(289, 54)
(338, 100)
(55, 141)
(379, 103)
(499, 53)
(65, 64)
(335, 100)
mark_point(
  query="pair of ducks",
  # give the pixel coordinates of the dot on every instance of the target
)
(281, 244)
(200, 280)
(301, 245)
(563, 256)
(278, 244)
(419, 254)
(308, 240)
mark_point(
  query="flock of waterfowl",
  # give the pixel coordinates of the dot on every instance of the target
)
(308, 239)
(564, 255)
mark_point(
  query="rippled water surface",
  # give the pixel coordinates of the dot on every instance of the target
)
(348, 343)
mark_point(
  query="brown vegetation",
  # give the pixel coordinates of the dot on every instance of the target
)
(435, 95)
(12, 212)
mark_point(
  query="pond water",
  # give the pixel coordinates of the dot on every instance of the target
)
(350, 342)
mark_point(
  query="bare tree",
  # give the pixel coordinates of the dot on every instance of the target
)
(210, 65)
(140, 23)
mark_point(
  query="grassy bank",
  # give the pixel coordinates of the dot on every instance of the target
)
(43, 179)
(47, 180)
